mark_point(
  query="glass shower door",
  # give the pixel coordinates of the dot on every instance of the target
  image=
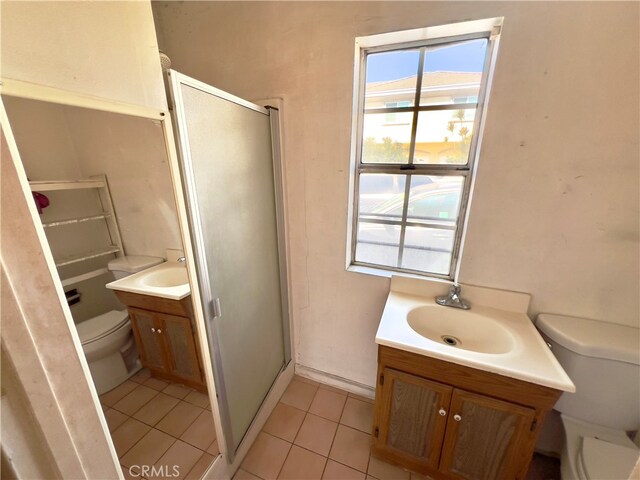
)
(228, 177)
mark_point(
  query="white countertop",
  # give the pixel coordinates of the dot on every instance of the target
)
(530, 359)
(167, 280)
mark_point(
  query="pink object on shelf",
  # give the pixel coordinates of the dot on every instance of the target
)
(42, 201)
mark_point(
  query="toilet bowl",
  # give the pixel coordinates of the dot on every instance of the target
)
(593, 452)
(603, 362)
(107, 342)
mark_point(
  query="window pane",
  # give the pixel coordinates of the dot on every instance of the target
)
(378, 244)
(380, 196)
(452, 73)
(444, 136)
(385, 141)
(435, 200)
(391, 77)
(428, 249)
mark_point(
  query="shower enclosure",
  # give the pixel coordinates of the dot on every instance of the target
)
(230, 166)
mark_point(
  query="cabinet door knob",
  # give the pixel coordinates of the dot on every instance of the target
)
(442, 412)
(457, 417)
(153, 330)
(159, 331)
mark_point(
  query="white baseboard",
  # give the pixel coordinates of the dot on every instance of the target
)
(336, 381)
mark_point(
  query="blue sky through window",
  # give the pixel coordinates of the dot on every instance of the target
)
(461, 57)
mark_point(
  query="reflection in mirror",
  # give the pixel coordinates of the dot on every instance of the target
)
(111, 223)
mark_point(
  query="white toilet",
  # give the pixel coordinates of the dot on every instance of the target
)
(107, 340)
(603, 360)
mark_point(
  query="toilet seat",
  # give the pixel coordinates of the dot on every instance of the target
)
(98, 327)
(602, 460)
(574, 453)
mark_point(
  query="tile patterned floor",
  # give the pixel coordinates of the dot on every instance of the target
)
(156, 423)
(320, 432)
(317, 432)
(314, 432)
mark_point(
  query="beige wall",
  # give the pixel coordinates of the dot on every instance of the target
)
(131, 152)
(556, 207)
(103, 49)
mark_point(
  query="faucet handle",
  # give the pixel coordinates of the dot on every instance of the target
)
(182, 260)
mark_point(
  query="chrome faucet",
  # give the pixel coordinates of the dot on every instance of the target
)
(182, 260)
(453, 299)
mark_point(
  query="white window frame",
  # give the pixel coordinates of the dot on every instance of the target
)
(486, 28)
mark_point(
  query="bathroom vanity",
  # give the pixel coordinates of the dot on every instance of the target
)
(159, 303)
(461, 394)
(451, 421)
(164, 333)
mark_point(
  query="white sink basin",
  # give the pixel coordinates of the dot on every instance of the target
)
(171, 276)
(461, 329)
(496, 335)
(167, 280)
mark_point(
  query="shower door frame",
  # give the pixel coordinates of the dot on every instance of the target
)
(206, 301)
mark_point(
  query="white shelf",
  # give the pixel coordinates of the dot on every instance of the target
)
(85, 276)
(47, 186)
(72, 220)
(105, 213)
(87, 256)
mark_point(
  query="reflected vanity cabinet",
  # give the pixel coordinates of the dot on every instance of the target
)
(165, 336)
(449, 421)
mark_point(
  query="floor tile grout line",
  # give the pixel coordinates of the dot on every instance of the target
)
(120, 457)
(193, 422)
(285, 461)
(152, 427)
(285, 458)
(189, 426)
(196, 463)
(354, 468)
(331, 447)
(369, 464)
(299, 427)
(131, 415)
(135, 443)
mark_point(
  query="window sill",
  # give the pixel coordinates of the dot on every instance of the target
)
(381, 272)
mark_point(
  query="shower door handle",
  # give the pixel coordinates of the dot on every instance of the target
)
(217, 310)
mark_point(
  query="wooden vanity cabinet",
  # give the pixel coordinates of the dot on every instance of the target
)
(164, 334)
(448, 421)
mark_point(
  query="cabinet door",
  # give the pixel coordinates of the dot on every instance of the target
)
(483, 437)
(145, 329)
(412, 419)
(182, 359)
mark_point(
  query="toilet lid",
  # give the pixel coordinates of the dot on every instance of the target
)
(98, 327)
(607, 461)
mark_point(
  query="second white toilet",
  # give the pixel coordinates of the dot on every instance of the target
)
(603, 361)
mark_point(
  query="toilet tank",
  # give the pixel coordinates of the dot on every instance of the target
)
(129, 264)
(603, 360)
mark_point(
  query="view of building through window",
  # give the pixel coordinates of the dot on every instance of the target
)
(418, 116)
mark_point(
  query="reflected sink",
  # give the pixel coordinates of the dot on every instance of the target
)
(167, 280)
(167, 277)
(461, 329)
